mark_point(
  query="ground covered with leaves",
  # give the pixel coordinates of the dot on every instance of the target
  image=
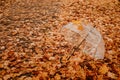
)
(32, 47)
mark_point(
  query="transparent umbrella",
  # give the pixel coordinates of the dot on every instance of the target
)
(86, 37)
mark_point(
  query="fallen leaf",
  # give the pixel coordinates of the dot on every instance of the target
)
(69, 2)
(37, 50)
(80, 27)
(14, 32)
(57, 77)
(112, 75)
(1, 65)
(76, 22)
(100, 77)
(103, 69)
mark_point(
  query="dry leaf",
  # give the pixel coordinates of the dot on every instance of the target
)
(69, 2)
(37, 50)
(1, 65)
(57, 77)
(100, 77)
(76, 22)
(10, 53)
(103, 69)
(2, 72)
(14, 32)
(46, 52)
(36, 78)
(44, 74)
(82, 73)
(79, 25)
(112, 75)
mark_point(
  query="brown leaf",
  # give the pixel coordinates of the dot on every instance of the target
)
(3, 72)
(14, 32)
(10, 53)
(38, 51)
(1, 65)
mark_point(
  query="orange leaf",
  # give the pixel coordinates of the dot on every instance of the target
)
(80, 27)
(103, 69)
(78, 23)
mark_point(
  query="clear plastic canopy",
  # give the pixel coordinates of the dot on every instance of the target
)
(86, 37)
